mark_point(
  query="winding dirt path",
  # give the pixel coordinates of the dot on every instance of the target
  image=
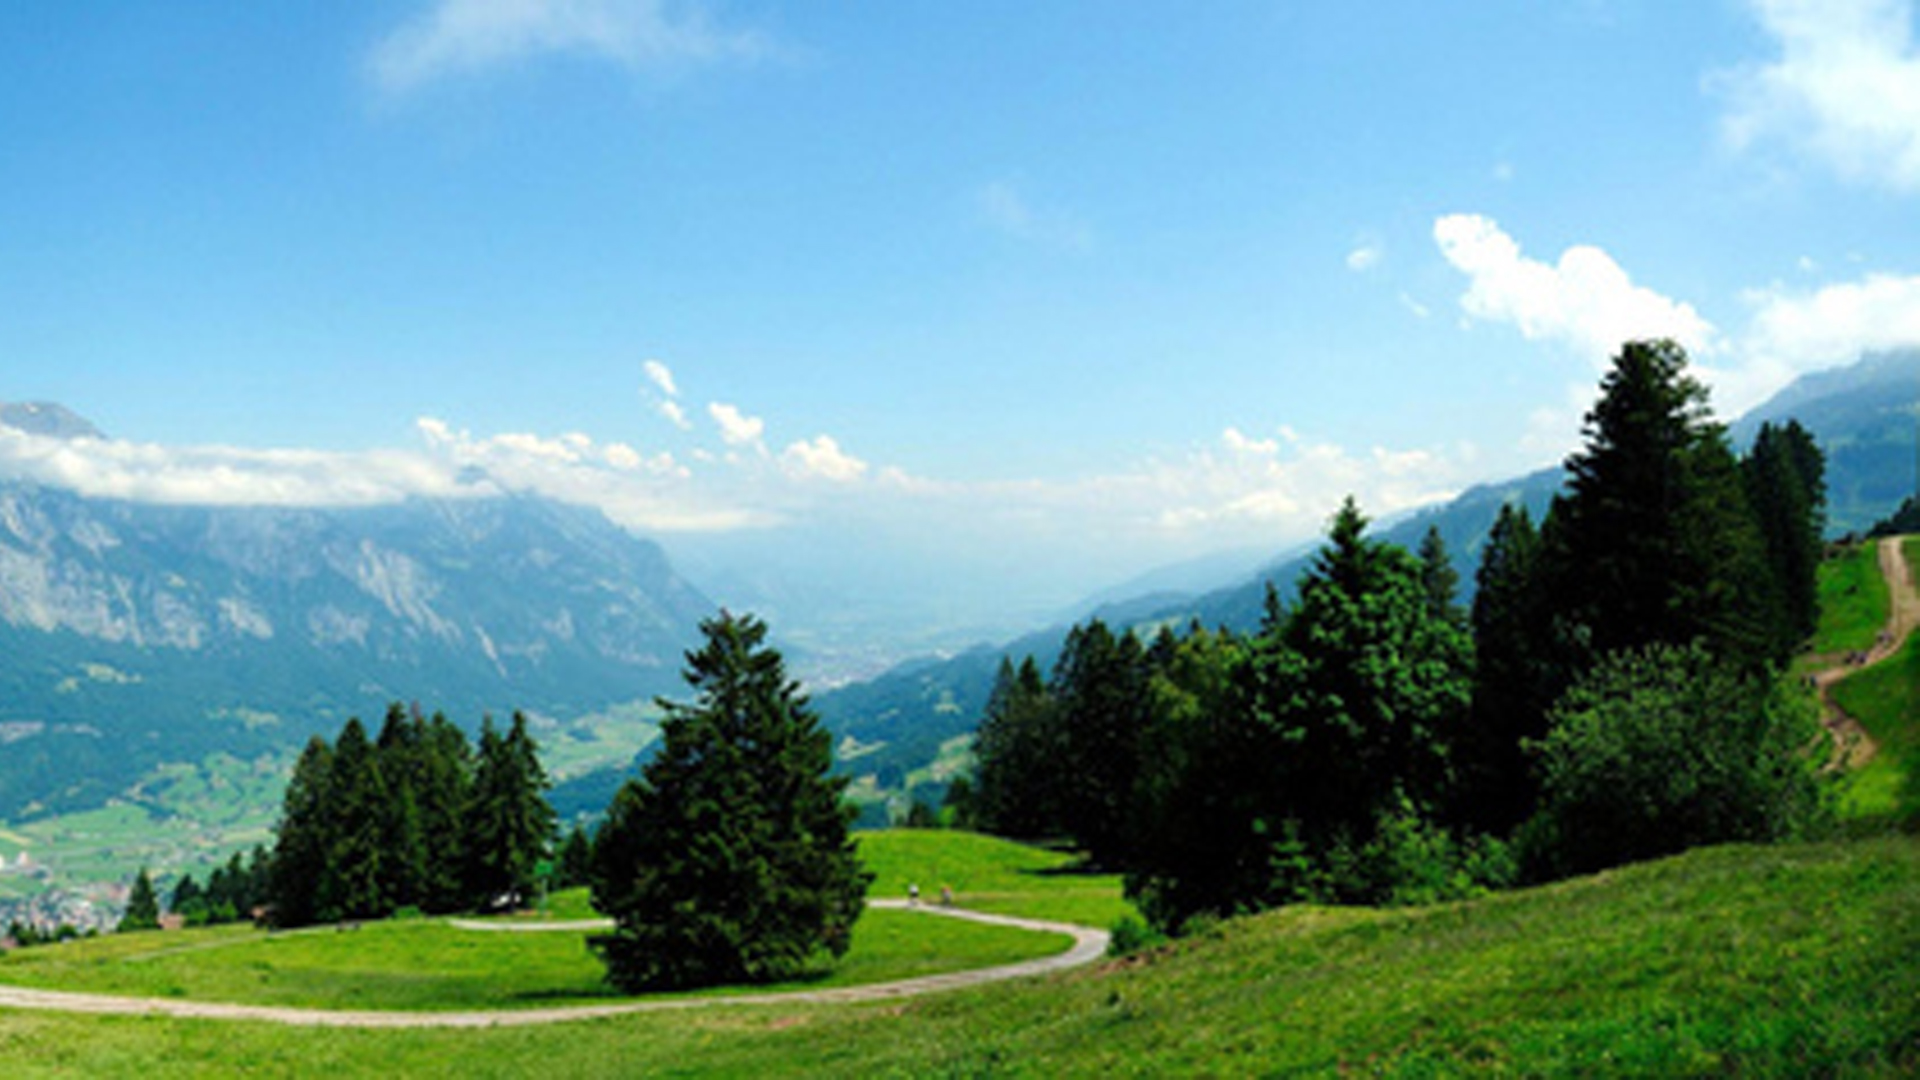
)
(1853, 747)
(1089, 945)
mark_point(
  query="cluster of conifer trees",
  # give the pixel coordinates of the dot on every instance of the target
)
(1611, 693)
(417, 818)
(233, 891)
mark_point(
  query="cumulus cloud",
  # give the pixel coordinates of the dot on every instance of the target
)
(736, 427)
(464, 37)
(675, 415)
(1003, 206)
(822, 458)
(1286, 485)
(661, 376)
(1845, 89)
(1585, 300)
(225, 476)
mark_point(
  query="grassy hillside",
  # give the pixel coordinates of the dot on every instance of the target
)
(1885, 699)
(1758, 961)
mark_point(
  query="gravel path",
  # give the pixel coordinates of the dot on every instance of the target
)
(1088, 945)
(1853, 745)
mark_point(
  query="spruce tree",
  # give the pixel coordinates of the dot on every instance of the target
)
(302, 838)
(143, 906)
(728, 859)
(509, 822)
(1654, 541)
(1018, 750)
(353, 881)
(1100, 691)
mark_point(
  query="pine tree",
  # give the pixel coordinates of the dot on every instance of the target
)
(1654, 541)
(143, 906)
(1514, 677)
(1018, 752)
(1100, 691)
(302, 838)
(728, 859)
(509, 822)
(352, 883)
(1785, 477)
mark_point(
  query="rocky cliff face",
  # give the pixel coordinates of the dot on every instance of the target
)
(134, 633)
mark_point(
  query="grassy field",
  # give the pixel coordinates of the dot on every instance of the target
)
(1853, 602)
(1885, 699)
(1783, 961)
(429, 964)
(989, 874)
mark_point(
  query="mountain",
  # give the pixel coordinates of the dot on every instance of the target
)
(137, 634)
(1866, 416)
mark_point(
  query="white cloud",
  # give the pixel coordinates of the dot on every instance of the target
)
(462, 37)
(1363, 258)
(225, 476)
(661, 376)
(736, 428)
(1844, 90)
(822, 459)
(1585, 300)
(1005, 208)
(675, 415)
(1793, 332)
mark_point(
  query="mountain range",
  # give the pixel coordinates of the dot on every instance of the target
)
(1865, 416)
(138, 635)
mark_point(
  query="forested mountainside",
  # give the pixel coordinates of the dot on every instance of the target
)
(1865, 416)
(138, 633)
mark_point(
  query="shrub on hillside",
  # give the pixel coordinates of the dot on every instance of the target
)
(1664, 748)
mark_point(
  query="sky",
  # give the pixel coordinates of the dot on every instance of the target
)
(998, 302)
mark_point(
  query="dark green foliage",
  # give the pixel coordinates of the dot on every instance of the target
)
(1654, 541)
(1370, 687)
(1100, 697)
(509, 823)
(353, 882)
(302, 840)
(728, 860)
(369, 827)
(1438, 579)
(1904, 520)
(574, 866)
(143, 906)
(232, 891)
(1274, 769)
(1785, 477)
(1019, 750)
(1668, 747)
(1515, 678)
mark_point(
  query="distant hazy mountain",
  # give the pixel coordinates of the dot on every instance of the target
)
(1866, 416)
(135, 634)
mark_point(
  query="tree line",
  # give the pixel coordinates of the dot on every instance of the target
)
(415, 818)
(1611, 693)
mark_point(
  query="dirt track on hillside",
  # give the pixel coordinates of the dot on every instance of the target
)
(1853, 747)
(1088, 945)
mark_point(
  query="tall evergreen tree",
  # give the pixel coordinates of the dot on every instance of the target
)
(353, 882)
(444, 783)
(1100, 690)
(1438, 579)
(509, 822)
(1654, 541)
(302, 838)
(1515, 677)
(399, 753)
(143, 905)
(1380, 689)
(1018, 751)
(1785, 477)
(728, 859)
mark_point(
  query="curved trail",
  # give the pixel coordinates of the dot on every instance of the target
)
(1088, 945)
(1853, 746)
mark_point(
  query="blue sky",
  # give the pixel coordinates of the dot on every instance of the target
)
(1041, 294)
